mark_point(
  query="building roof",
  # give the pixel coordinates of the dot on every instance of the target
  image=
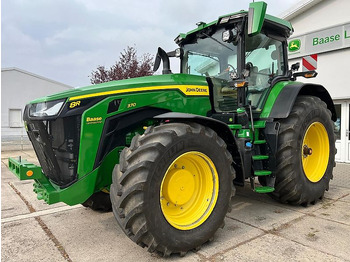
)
(34, 75)
(298, 9)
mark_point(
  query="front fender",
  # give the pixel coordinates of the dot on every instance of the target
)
(219, 127)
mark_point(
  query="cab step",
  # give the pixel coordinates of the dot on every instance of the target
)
(259, 142)
(260, 157)
(262, 173)
(264, 189)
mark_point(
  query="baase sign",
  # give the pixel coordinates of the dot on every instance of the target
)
(333, 38)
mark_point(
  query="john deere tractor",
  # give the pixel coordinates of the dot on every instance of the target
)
(165, 151)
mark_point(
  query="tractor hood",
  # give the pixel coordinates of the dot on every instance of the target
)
(148, 83)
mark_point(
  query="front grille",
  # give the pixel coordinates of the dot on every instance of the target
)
(56, 143)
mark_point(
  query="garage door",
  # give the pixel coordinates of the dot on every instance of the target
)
(15, 116)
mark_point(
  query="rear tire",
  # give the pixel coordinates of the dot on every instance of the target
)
(144, 198)
(306, 151)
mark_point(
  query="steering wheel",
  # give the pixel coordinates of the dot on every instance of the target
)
(227, 73)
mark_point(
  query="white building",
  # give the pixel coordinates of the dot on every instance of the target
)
(322, 27)
(18, 87)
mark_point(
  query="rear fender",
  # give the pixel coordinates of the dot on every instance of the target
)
(286, 98)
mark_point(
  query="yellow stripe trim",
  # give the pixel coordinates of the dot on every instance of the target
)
(189, 90)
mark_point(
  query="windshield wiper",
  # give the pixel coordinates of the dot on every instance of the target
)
(218, 42)
(200, 54)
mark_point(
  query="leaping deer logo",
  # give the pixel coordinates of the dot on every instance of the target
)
(294, 45)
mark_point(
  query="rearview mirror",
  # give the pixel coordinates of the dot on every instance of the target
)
(295, 67)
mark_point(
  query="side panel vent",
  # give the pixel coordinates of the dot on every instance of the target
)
(114, 106)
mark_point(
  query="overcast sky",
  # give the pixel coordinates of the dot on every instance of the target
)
(65, 40)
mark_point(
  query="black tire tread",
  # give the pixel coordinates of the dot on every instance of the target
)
(128, 181)
(99, 201)
(287, 188)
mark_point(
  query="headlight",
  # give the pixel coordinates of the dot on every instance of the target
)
(227, 35)
(50, 108)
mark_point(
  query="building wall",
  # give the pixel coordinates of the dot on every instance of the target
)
(333, 71)
(19, 87)
(322, 15)
(332, 66)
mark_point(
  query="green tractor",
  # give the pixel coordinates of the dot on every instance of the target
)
(165, 151)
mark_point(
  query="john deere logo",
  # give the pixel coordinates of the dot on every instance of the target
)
(294, 45)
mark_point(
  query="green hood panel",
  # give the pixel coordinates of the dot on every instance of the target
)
(134, 83)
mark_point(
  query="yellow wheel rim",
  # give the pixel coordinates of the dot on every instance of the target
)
(189, 190)
(315, 151)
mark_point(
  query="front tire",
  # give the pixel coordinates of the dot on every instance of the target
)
(306, 151)
(172, 188)
(99, 201)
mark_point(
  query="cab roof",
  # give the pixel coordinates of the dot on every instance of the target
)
(283, 24)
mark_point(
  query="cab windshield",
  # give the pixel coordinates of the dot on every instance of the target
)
(210, 56)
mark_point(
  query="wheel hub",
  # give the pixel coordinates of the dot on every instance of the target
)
(178, 186)
(307, 151)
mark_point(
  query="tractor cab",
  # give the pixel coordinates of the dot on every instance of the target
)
(228, 53)
(262, 61)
